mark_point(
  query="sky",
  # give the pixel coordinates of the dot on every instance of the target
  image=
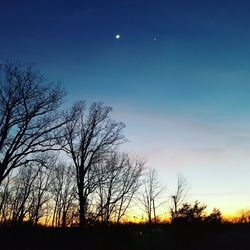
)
(177, 76)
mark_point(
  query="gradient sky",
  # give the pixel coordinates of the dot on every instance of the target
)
(178, 77)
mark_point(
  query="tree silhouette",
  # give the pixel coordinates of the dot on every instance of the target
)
(178, 198)
(151, 195)
(63, 189)
(40, 193)
(190, 213)
(90, 139)
(29, 119)
(215, 217)
(25, 195)
(121, 179)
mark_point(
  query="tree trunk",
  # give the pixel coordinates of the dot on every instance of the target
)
(2, 169)
(82, 207)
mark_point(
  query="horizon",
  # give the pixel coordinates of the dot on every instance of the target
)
(177, 74)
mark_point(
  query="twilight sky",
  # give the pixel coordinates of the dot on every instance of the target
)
(178, 76)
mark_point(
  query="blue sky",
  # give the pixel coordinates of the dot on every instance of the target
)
(178, 77)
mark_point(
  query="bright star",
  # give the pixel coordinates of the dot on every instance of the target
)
(117, 36)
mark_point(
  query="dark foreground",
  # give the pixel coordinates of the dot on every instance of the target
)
(128, 237)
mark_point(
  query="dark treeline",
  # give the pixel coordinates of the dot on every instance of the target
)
(59, 167)
(62, 167)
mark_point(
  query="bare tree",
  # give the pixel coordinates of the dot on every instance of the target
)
(63, 194)
(6, 191)
(20, 197)
(121, 179)
(90, 138)
(178, 198)
(130, 183)
(27, 192)
(151, 195)
(30, 194)
(40, 192)
(29, 120)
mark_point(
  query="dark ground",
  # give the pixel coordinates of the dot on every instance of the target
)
(223, 237)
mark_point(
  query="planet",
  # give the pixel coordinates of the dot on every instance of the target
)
(117, 36)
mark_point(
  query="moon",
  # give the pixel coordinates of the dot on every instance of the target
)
(117, 36)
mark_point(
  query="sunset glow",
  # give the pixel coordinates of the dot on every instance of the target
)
(177, 74)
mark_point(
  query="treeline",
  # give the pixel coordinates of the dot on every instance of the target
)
(47, 193)
(94, 182)
(63, 167)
